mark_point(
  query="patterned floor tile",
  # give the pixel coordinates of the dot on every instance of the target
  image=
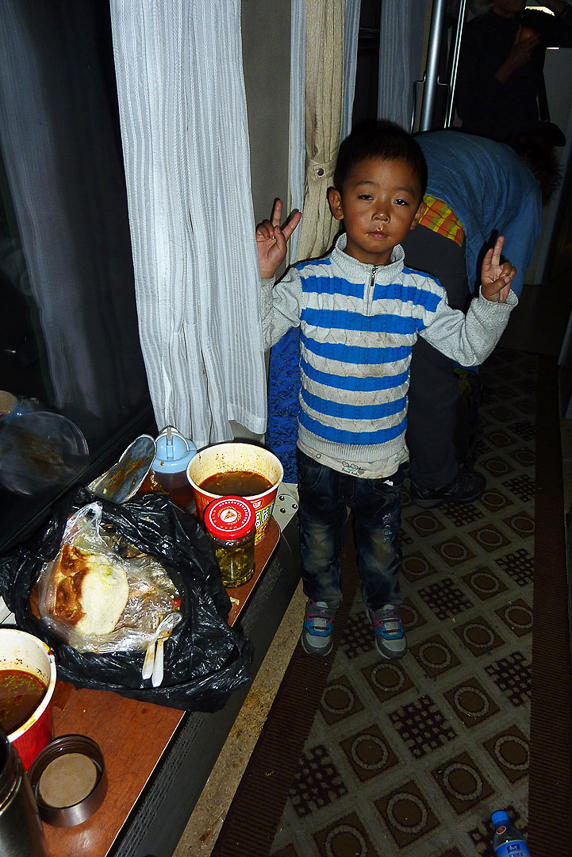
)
(497, 466)
(387, 679)
(445, 598)
(411, 615)
(517, 615)
(454, 551)
(289, 851)
(407, 814)
(416, 567)
(495, 500)
(471, 702)
(524, 457)
(422, 726)
(479, 636)
(512, 676)
(434, 656)
(347, 837)
(489, 538)
(484, 583)
(519, 565)
(522, 487)
(509, 750)
(462, 782)
(318, 782)
(339, 701)
(357, 638)
(424, 523)
(369, 753)
(521, 523)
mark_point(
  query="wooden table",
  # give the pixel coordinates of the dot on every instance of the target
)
(132, 735)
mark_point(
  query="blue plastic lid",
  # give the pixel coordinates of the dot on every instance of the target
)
(173, 452)
(500, 817)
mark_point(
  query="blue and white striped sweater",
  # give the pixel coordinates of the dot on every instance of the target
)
(358, 325)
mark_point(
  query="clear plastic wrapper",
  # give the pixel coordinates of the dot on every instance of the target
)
(100, 593)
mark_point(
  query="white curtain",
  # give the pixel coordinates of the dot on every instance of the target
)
(353, 9)
(400, 52)
(185, 140)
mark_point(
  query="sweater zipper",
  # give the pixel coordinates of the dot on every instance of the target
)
(369, 292)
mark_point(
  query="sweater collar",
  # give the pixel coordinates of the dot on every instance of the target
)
(357, 270)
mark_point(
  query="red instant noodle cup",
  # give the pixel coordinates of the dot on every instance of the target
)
(22, 651)
(233, 456)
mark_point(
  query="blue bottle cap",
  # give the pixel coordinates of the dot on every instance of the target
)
(500, 817)
(173, 452)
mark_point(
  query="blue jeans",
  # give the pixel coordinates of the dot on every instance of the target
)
(325, 496)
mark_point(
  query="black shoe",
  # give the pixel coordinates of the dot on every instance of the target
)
(465, 487)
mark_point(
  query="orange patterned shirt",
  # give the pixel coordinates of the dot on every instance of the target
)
(442, 219)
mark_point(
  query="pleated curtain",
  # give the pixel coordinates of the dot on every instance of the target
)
(400, 53)
(324, 100)
(185, 142)
(305, 182)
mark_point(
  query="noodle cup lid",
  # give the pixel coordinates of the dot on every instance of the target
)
(230, 518)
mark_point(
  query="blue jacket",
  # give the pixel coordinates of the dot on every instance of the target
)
(490, 190)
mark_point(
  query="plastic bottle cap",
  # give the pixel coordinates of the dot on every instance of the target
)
(500, 817)
(230, 518)
(173, 457)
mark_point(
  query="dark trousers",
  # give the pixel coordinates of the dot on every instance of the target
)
(325, 496)
(433, 410)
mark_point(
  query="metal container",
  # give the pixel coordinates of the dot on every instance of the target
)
(21, 831)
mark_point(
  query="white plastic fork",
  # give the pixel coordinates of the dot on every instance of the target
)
(151, 668)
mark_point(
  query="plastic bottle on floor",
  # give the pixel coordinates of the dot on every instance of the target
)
(507, 840)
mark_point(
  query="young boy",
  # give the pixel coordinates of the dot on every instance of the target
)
(360, 310)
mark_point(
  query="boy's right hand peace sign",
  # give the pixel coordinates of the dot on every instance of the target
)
(271, 240)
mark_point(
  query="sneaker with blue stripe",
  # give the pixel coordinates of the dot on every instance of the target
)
(390, 639)
(317, 632)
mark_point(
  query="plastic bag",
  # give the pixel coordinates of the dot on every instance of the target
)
(205, 660)
(138, 585)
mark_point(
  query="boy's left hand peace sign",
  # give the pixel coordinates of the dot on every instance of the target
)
(496, 277)
(271, 240)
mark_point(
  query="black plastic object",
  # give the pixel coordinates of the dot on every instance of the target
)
(205, 659)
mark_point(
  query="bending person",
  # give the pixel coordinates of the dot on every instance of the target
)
(477, 189)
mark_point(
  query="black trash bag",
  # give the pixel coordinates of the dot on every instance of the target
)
(205, 660)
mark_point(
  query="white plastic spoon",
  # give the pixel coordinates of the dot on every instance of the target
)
(165, 627)
(163, 631)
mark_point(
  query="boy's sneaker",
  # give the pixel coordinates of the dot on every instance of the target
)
(465, 487)
(317, 637)
(390, 638)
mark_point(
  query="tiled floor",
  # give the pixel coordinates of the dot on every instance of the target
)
(537, 329)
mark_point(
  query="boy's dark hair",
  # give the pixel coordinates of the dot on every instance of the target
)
(384, 140)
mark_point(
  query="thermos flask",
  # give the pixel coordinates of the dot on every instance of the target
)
(21, 831)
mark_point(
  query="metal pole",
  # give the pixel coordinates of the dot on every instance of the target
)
(431, 74)
(455, 64)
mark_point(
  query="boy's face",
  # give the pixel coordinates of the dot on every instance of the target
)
(379, 204)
